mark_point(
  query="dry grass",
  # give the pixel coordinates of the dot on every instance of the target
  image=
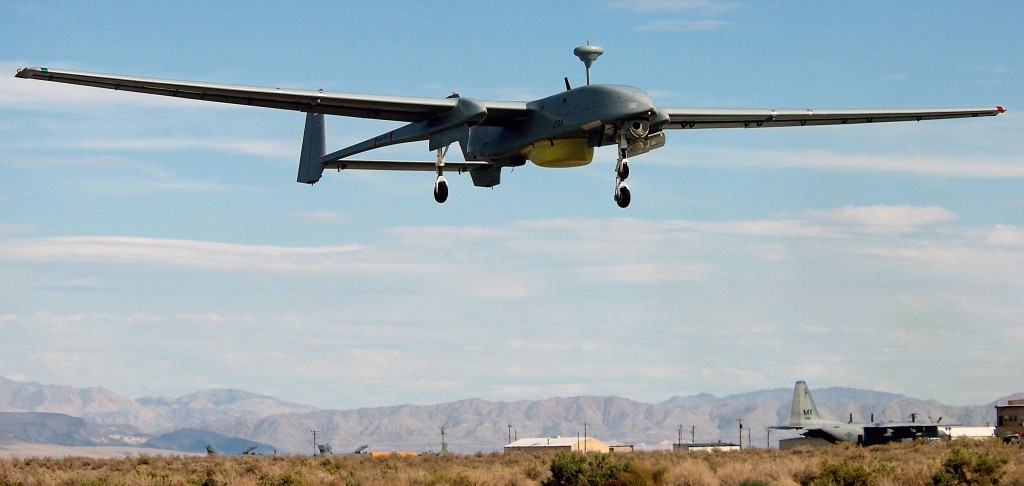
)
(977, 462)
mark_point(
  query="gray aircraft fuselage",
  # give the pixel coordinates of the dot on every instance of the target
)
(573, 114)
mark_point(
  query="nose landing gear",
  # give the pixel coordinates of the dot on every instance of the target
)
(621, 195)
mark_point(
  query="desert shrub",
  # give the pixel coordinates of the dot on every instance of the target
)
(575, 469)
(963, 466)
(203, 481)
(445, 477)
(288, 477)
(691, 473)
(842, 473)
(637, 474)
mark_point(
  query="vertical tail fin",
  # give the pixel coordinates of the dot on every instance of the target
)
(314, 147)
(804, 411)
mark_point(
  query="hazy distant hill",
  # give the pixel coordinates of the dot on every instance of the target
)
(55, 428)
(470, 425)
(150, 414)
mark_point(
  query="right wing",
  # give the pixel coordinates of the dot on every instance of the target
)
(752, 118)
(381, 107)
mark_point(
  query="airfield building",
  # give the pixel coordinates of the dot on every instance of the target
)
(706, 447)
(1010, 420)
(589, 444)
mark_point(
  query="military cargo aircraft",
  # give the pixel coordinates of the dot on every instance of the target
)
(804, 417)
(560, 130)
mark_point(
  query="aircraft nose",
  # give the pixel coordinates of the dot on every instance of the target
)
(658, 118)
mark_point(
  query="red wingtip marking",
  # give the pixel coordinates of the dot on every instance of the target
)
(1001, 109)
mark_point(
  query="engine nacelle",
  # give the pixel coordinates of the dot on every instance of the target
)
(571, 152)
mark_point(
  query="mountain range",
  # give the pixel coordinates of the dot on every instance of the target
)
(230, 420)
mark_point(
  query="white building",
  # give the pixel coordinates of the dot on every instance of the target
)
(589, 444)
(957, 432)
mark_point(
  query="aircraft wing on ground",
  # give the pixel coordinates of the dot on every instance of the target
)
(380, 107)
(751, 118)
(880, 433)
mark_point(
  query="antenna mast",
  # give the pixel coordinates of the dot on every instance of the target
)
(588, 54)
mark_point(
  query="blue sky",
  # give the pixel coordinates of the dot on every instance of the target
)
(158, 246)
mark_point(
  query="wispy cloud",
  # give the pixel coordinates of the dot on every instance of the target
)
(188, 253)
(1006, 235)
(32, 94)
(322, 216)
(684, 25)
(646, 273)
(267, 148)
(675, 5)
(890, 218)
(1002, 165)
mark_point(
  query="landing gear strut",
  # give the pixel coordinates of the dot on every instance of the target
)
(621, 173)
(441, 184)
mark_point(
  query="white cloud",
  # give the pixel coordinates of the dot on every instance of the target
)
(889, 218)
(1006, 235)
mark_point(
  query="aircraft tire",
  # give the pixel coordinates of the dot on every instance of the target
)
(441, 192)
(623, 197)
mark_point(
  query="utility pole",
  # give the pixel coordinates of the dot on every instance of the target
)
(768, 441)
(444, 445)
(585, 437)
(509, 433)
(680, 441)
(741, 434)
(693, 434)
(314, 441)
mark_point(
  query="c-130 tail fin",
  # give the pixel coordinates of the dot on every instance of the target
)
(804, 411)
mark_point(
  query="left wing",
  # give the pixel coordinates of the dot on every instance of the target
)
(752, 118)
(380, 107)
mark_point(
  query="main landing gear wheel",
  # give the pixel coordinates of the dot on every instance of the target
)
(440, 190)
(440, 185)
(622, 195)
